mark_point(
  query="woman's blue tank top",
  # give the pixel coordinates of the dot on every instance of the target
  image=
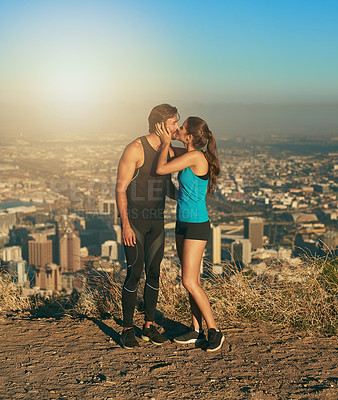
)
(191, 197)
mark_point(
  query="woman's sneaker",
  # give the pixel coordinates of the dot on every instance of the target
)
(153, 335)
(215, 340)
(191, 337)
(128, 339)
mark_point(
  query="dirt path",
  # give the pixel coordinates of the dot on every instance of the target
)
(72, 359)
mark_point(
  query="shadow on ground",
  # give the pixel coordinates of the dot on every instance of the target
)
(107, 330)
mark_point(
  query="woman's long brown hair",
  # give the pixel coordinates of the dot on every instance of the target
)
(202, 137)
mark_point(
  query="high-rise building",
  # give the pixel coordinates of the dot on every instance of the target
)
(7, 222)
(215, 244)
(49, 277)
(329, 241)
(21, 272)
(118, 233)
(254, 230)
(40, 250)
(241, 252)
(109, 207)
(10, 253)
(70, 246)
(19, 236)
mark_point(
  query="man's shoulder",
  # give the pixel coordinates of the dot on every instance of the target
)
(133, 152)
(136, 144)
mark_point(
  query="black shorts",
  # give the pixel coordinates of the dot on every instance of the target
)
(193, 230)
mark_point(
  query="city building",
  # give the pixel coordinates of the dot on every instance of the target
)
(322, 188)
(40, 250)
(241, 252)
(118, 233)
(49, 277)
(330, 240)
(300, 218)
(254, 230)
(84, 252)
(7, 221)
(109, 249)
(70, 251)
(21, 272)
(72, 282)
(109, 207)
(79, 223)
(10, 253)
(215, 244)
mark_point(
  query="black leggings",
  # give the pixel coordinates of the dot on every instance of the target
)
(148, 250)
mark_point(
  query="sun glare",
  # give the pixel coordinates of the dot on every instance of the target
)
(73, 85)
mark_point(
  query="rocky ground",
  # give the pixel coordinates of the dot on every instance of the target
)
(72, 359)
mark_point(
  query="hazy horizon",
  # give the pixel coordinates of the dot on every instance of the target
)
(82, 67)
(225, 120)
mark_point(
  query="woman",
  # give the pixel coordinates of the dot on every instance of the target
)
(197, 177)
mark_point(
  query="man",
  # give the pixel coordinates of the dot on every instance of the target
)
(140, 196)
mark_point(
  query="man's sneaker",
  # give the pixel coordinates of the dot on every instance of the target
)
(190, 337)
(128, 339)
(215, 340)
(153, 335)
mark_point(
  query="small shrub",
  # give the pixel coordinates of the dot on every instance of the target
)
(11, 298)
(101, 294)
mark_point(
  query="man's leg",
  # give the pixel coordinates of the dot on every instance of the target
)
(135, 262)
(154, 249)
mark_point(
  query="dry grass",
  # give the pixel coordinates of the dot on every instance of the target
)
(173, 299)
(11, 298)
(101, 294)
(304, 297)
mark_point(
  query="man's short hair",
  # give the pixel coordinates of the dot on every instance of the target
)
(160, 113)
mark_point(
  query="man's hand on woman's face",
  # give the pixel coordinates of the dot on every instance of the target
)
(162, 133)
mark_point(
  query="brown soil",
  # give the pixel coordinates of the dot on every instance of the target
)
(73, 359)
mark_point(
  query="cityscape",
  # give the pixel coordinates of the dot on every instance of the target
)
(257, 305)
(275, 202)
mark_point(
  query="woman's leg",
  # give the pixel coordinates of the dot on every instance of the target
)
(195, 311)
(192, 257)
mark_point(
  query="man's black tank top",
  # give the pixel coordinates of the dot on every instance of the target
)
(147, 190)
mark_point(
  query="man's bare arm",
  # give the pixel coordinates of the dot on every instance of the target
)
(127, 165)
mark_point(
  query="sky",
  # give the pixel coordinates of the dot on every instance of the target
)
(97, 67)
